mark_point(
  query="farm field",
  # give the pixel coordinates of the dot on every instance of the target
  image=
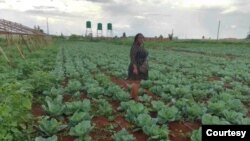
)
(77, 90)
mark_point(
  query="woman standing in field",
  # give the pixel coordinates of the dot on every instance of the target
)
(138, 67)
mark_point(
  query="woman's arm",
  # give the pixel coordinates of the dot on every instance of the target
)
(135, 70)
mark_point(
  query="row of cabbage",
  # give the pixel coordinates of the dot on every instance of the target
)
(182, 81)
(219, 48)
(108, 89)
(82, 75)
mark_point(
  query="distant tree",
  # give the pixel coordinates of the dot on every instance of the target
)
(248, 36)
(161, 37)
(74, 37)
(38, 28)
(124, 35)
(62, 36)
(170, 36)
(41, 30)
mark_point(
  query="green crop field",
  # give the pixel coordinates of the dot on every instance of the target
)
(77, 90)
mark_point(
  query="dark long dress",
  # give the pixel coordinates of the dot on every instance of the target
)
(138, 56)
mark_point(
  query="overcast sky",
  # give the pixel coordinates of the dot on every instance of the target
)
(187, 18)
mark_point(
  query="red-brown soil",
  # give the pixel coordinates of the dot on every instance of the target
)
(140, 136)
(115, 104)
(119, 82)
(154, 97)
(100, 121)
(122, 122)
(228, 85)
(67, 98)
(182, 131)
(65, 82)
(248, 108)
(83, 96)
(65, 120)
(98, 134)
(214, 78)
(124, 83)
(66, 138)
(153, 114)
(37, 110)
(248, 114)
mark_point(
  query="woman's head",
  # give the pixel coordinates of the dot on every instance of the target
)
(139, 39)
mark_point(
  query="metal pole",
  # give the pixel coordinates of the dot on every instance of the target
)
(47, 26)
(218, 31)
